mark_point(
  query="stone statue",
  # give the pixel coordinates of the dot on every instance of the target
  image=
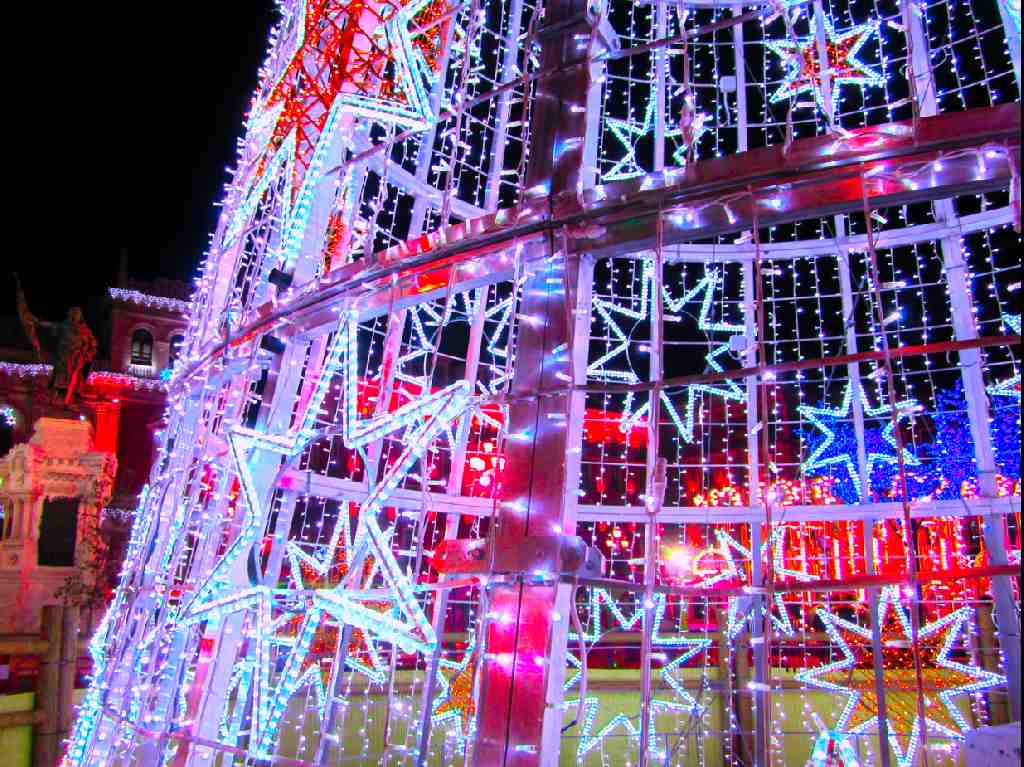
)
(70, 346)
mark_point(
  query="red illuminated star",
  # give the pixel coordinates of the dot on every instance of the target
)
(804, 63)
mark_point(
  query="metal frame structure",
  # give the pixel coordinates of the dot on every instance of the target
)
(194, 665)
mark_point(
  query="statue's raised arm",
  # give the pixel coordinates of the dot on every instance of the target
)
(72, 351)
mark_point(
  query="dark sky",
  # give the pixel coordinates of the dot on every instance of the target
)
(122, 142)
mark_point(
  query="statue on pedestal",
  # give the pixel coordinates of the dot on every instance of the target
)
(70, 347)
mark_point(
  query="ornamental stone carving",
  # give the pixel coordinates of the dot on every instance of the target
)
(58, 462)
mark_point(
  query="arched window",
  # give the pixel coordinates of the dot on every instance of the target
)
(142, 347)
(177, 341)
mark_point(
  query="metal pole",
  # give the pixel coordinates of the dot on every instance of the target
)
(818, 24)
(492, 192)
(965, 329)
(1009, 10)
(881, 715)
(656, 470)
(853, 373)
(451, 527)
(46, 744)
(660, 83)
(739, 53)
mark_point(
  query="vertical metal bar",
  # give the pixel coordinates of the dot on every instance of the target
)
(754, 458)
(1009, 10)
(923, 85)
(739, 52)
(853, 370)
(971, 361)
(759, 649)
(535, 506)
(579, 349)
(333, 692)
(881, 715)
(426, 148)
(857, 409)
(515, 668)
(762, 657)
(509, 72)
(655, 494)
(821, 39)
(753, 409)
(909, 538)
(388, 369)
(451, 523)
(660, 83)
(965, 329)
(68, 663)
(45, 745)
(589, 171)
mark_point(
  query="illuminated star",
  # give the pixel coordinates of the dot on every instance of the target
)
(611, 312)
(337, 66)
(601, 602)
(350, 602)
(939, 640)
(739, 607)
(804, 63)
(591, 739)
(602, 598)
(628, 132)
(691, 647)
(830, 452)
(1011, 386)
(311, 572)
(455, 699)
(413, 54)
(397, 618)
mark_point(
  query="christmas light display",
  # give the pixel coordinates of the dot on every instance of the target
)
(500, 287)
(830, 449)
(455, 701)
(807, 70)
(860, 709)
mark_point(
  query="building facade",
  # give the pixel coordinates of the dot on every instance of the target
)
(67, 486)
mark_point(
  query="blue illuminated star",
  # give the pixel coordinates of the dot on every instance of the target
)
(1011, 386)
(835, 444)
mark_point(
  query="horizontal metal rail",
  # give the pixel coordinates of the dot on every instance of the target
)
(816, 176)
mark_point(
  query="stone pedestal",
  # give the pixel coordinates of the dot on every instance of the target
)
(58, 462)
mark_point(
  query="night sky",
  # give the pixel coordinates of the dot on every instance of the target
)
(130, 138)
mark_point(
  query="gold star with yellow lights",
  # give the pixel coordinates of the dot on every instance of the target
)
(456, 699)
(944, 677)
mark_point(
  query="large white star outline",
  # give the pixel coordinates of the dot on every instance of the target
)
(684, 702)
(405, 624)
(607, 309)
